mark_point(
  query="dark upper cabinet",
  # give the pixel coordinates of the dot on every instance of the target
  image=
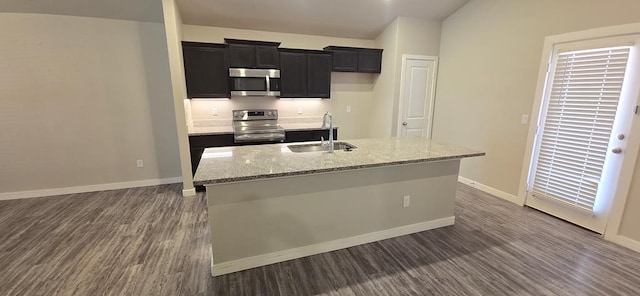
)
(319, 80)
(267, 57)
(352, 59)
(370, 60)
(253, 54)
(345, 60)
(305, 74)
(293, 74)
(206, 70)
(242, 56)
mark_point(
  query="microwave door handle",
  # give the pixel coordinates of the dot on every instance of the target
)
(268, 83)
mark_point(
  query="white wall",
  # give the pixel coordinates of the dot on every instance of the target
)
(347, 89)
(489, 61)
(82, 99)
(631, 215)
(182, 106)
(384, 90)
(490, 57)
(404, 35)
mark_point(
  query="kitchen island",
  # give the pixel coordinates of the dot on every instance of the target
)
(268, 204)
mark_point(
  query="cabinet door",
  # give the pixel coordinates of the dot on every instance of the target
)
(197, 144)
(309, 135)
(345, 60)
(293, 75)
(370, 60)
(242, 56)
(206, 71)
(319, 68)
(267, 57)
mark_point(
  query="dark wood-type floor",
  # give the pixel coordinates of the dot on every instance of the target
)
(151, 241)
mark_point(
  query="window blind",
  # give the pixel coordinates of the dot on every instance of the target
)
(580, 111)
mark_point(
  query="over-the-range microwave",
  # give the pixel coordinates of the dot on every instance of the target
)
(255, 82)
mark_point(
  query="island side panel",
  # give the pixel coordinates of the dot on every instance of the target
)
(271, 220)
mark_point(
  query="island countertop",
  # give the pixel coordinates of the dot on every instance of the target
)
(244, 163)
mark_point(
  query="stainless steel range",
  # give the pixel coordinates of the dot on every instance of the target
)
(257, 126)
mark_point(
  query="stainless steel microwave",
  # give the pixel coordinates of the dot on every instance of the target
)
(255, 82)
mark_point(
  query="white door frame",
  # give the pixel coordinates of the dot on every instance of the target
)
(432, 95)
(616, 206)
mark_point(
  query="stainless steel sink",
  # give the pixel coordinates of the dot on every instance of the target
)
(317, 147)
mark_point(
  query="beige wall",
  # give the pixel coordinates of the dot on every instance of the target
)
(489, 61)
(384, 88)
(82, 99)
(415, 37)
(301, 211)
(182, 106)
(404, 35)
(347, 89)
(631, 215)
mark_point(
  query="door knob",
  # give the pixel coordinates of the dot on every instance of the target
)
(616, 150)
(404, 123)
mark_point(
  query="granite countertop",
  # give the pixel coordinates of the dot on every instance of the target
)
(243, 163)
(221, 130)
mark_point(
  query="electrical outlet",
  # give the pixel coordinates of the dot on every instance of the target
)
(140, 163)
(214, 111)
(300, 109)
(524, 119)
(406, 201)
(348, 108)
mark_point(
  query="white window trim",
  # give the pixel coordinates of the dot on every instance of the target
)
(620, 196)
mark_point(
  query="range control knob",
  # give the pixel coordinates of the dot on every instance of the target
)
(269, 113)
(236, 114)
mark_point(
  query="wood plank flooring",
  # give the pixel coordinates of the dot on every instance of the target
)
(151, 241)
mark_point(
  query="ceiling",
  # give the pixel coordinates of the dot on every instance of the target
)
(339, 18)
(135, 10)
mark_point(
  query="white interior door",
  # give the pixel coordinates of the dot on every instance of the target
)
(585, 118)
(417, 92)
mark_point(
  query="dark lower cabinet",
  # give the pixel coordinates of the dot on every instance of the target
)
(198, 144)
(206, 70)
(309, 135)
(305, 73)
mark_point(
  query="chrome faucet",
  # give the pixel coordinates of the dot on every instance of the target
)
(324, 125)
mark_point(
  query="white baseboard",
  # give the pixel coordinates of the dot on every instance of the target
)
(88, 188)
(495, 192)
(188, 192)
(624, 241)
(295, 253)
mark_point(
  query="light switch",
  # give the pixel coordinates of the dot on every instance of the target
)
(348, 108)
(214, 111)
(525, 119)
(300, 109)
